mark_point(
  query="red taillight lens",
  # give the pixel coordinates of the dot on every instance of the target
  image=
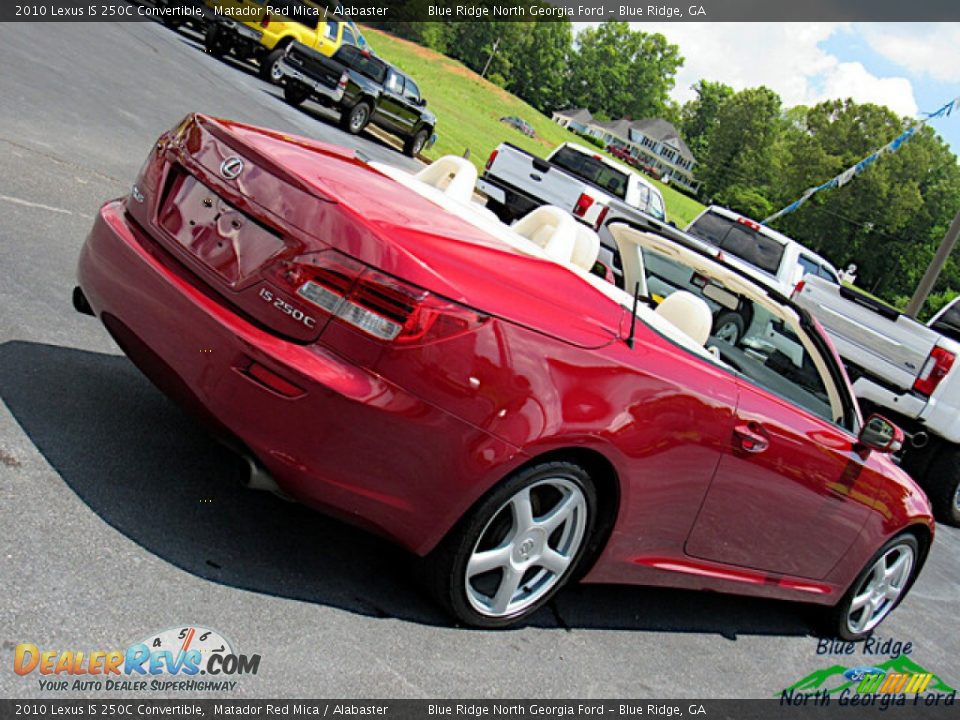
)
(344, 80)
(265, 23)
(493, 156)
(602, 216)
(583, 204)
(798, 288)
(935, 369)
(377, 304)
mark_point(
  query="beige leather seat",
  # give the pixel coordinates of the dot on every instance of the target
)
(689, 314)
(452, 175)
(552, 229)
(586, 249)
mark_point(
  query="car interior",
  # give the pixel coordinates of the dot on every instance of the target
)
(774, 353)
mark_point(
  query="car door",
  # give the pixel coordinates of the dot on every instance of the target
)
(410, 111)
(789, 495)
(391, 102)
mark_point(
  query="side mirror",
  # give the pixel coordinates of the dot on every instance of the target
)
(423, 102)
(881, 435)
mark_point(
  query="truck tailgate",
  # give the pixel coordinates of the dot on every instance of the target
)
(537, 177)
(314, 65)
(890, 347)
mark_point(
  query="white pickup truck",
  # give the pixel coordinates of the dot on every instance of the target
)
(572, 177)
(905, 370)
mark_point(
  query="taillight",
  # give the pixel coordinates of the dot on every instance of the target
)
(493, 156)
(377, 304)
(602, 216)
(798, 288)
(583, 204)
(344, 81)
(935, 369)
(265, 23)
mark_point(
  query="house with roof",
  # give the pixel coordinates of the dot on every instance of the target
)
(651, 142)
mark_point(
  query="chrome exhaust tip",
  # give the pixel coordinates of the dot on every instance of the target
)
(919, 439)
(259, 479)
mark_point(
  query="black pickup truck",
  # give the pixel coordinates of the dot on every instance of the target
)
(363, 88)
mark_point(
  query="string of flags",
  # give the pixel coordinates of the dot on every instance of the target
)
(851, 172)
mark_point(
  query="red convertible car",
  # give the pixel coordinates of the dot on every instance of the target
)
(387, 352)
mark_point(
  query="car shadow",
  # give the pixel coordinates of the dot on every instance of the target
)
(155, 475)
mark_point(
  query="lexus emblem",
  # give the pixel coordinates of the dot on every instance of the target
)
(231, 167)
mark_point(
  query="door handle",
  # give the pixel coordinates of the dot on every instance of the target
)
(750, 437)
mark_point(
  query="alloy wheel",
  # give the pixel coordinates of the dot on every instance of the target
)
(880, 589)
(526, 547)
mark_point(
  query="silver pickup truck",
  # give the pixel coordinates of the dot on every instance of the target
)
(905, 370)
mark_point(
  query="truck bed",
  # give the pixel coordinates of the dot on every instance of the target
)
(878, 341)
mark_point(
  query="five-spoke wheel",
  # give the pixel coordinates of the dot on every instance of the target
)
(517, 547)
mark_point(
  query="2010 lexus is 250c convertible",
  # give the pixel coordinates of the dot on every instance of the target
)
(393, 355)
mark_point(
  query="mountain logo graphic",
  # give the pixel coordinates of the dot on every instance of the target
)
(899, 674)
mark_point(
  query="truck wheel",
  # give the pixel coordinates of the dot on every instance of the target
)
(215, 42)
(270, 67)
(414, 144)
(520, 544)
(942, 484)
(729, 327)
(356, 119)
(295, 93)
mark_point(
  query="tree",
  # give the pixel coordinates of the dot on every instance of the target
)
(622, 72)
(540, 72)
(740, 162)
(699, 117)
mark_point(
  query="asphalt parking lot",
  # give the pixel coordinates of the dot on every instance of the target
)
(121, 517)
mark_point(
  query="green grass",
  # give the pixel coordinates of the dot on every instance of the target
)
(468, 110)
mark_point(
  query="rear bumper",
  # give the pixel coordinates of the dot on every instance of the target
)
(291, 73)
(350, 443)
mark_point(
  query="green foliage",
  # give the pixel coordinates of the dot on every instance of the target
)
(622, 72)
(597, 142)
(699, 117)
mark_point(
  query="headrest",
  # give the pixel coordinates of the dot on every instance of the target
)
(452, 175)
(586, 249)
(552, 229)
(689, 314)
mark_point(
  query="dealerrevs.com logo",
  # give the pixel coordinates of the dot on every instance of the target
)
(171, 661)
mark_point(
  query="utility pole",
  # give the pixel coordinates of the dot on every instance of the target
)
(933, 271)
(496, 44)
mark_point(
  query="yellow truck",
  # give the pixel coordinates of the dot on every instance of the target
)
(261, 30)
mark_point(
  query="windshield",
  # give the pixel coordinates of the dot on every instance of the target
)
(740, 240)
(591, 170)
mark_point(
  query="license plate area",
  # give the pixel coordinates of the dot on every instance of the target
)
(226, 241)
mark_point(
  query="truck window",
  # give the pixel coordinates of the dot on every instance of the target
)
(829, 275)
(348, 37)
(394, 82)
(411, 91)
(330, 31)
(809, 265)
(656, 206)
(949, 323)
(739, 240)
(362, 62)
(592, 171)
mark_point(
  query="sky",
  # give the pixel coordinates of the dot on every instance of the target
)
(910, 67)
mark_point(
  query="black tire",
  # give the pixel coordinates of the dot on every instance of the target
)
(356, 118)
(295, 93)
(942, 483)
(729, 326)
(268, 67)
(493, 522)
(836, 619)
(414, 144)
(215, 42)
